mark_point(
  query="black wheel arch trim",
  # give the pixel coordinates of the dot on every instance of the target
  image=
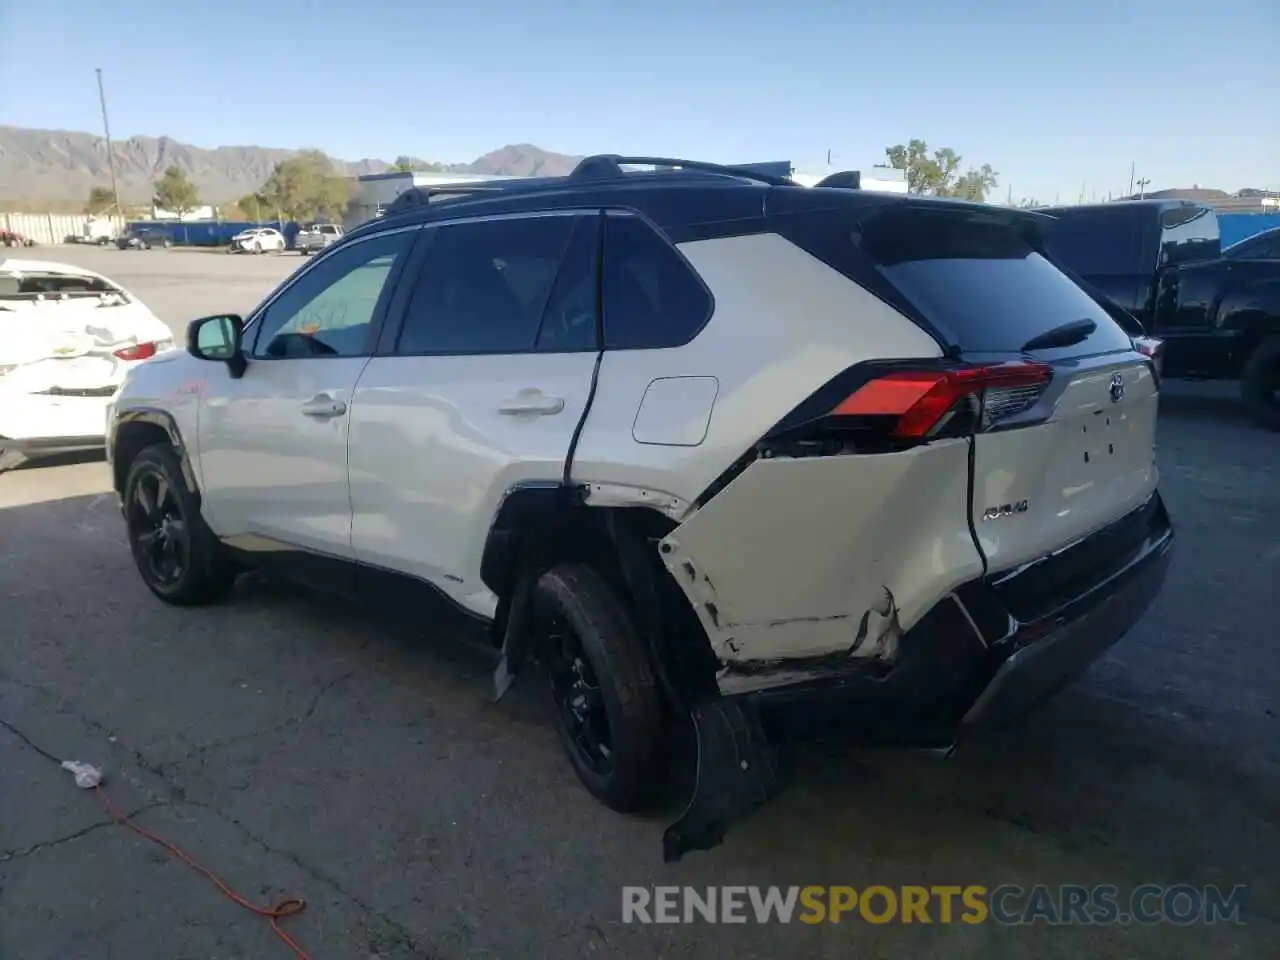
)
(123, 424)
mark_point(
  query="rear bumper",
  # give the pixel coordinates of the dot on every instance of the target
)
(996, 647)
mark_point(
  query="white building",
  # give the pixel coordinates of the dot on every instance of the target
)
(373, 192)
(881, 179)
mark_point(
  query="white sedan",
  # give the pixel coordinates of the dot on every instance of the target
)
(258, 240)
(67, 338)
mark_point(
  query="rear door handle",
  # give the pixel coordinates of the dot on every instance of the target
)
(533, 402)
(323, 407)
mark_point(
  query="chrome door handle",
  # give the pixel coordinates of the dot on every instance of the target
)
(532, 402)
(323, 407)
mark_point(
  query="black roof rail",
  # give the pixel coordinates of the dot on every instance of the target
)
(421, 196)
(608, 165)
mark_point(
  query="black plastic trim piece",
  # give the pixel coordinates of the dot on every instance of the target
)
(126, 418)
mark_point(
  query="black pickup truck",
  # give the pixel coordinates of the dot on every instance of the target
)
(1161, 260)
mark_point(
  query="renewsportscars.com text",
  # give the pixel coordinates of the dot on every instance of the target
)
(1007, 904)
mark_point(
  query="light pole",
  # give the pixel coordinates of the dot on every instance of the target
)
(1142, 188)
(106, 128)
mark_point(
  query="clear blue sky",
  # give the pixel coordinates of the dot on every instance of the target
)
(1050, 94)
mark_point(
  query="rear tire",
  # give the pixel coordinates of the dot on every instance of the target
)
(178, 556)
(608, 707)
(1260, 388)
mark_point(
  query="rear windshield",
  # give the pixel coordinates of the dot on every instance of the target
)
(37, 286)
(1099, 243)
(978, 281)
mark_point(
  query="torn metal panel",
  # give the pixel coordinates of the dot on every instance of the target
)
(800, 560)
(597, 494)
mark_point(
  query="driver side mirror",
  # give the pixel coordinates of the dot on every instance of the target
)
(219, 338)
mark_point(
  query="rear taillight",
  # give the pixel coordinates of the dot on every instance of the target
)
(917, 404)
(1153, 349)
(138, 351)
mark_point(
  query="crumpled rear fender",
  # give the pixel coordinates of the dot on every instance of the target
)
(803, 566)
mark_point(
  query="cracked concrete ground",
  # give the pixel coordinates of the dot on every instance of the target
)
(298, 748)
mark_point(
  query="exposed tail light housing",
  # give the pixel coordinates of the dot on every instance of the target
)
(1153, 349)
(138, 351)
(919, 404)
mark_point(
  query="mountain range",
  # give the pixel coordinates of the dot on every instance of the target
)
(62, 165)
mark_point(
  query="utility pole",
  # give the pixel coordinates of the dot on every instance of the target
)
(1142, 188)
(1133, 164)
(111, 159)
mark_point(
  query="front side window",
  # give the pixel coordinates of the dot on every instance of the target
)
(485, 286)
(1188, 233)
(330, 309)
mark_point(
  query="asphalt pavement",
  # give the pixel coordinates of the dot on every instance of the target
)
(298, 747)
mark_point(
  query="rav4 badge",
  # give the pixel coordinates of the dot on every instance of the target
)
(1004, 510)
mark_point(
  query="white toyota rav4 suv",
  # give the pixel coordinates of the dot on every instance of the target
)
(694, 441)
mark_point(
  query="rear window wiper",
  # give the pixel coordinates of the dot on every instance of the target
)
(1064, 335)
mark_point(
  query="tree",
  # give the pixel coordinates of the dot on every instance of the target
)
(938, 173)
(305, 187)
(101, 201)
(404, 165)
(975, 184)
(175, 193)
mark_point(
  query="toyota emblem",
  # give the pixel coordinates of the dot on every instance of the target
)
(1117, 388)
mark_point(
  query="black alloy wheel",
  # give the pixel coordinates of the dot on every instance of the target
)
(580, 710)
(158, 529)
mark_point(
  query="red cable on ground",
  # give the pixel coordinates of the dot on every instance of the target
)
(282, 910)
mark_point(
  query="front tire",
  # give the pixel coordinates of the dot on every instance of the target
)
(1260, 388)
(178, 556)
(608, 707)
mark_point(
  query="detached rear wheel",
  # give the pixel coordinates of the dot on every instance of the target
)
(178, 556)
(607, 704)
(1261, 385)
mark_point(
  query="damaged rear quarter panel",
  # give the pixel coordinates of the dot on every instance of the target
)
(808, 558)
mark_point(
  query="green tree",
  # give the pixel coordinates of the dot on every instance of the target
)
(404, 164)
(175, 193)
(975, 184)
(305, 187)
(938, 173)
(100, 201)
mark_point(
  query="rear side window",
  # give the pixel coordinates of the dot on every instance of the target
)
(1189, 233)
(485, 286)
(978, 282)
(1098, 244)
(652, 297)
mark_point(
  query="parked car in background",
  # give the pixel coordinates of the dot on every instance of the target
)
(257, 240)
(68, 336)
(1217, 312)
(1261, 246)
(689, 441)
(10, 238)
(316, 236)
(144, 238)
